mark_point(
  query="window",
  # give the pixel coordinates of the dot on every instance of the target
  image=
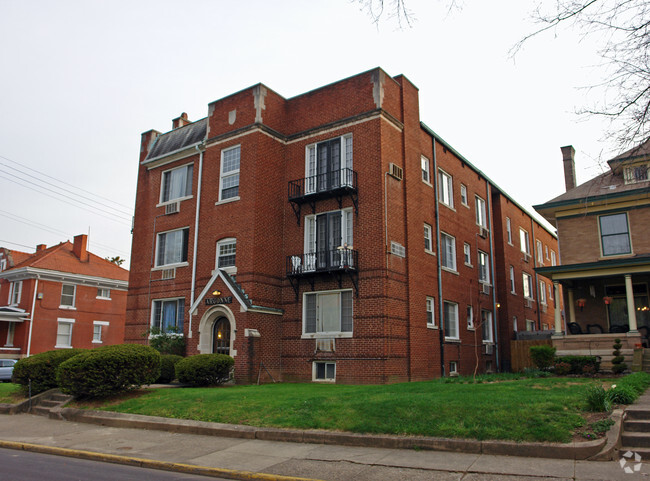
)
(97, 331)
(226, 252)
(636, 173)
(64, 333)
(167, 315)
(540, 254)
(486, 325)
(542, 292)
(523, 242)
(450, 310)
(15, 292)
(528, 285)
(530, 325)
(483, 267)
(512, 280)
(550, 291)
(229, 181)
(448, 251)
(103, 293)
(509, 230)
(553, 258)
(431, 316)
(470, 317)
(614, 234)
(176, 183)
(426, 173)
(463, 195)
(324, 371)
(68, 295)
(428, 241)
(481, 217)
(445, 189)
(453, 368)
(327, 313)
(3, 264)
(11, 329)
(546, 251)
(172, 247)
(328, 165)
(467, 252)
(325, 236)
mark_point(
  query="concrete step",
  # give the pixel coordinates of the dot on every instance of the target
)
(40, 410)
(637, 412)
(60, 397)
(637, 425)
(638, 440)
(643, 452)
(48, 403)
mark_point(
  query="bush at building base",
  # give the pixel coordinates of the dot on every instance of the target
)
(204, 369)
(168, 368)
(542, 356)
(579, 365)
(41, 369)
(109, 370)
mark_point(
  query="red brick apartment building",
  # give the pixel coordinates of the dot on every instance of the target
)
(58, 298)
(331, 237)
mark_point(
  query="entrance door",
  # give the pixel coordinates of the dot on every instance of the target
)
(221, 336)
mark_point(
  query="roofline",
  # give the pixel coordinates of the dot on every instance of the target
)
(23, 273)
(597, 265)
(584, 200)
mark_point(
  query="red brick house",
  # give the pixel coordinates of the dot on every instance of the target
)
(58, 298)
(330, 237)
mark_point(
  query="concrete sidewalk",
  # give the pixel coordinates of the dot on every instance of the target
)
(235, 458)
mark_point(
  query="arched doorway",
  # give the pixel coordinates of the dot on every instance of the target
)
(221, 336)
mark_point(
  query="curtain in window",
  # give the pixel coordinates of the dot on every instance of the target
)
(615, 236)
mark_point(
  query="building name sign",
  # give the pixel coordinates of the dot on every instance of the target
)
(218, 300)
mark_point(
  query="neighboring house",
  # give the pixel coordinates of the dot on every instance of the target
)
(58, 298)
(331, 237)
(604, 235)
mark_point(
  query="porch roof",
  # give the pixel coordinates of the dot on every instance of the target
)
(605, 268)
(13, 314)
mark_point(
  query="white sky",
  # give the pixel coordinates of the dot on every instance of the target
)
(81, 80)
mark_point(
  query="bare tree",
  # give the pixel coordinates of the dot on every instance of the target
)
(393, 9)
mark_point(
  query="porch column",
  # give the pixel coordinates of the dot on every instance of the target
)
(631, 310)
(558, 312)
(572, 307)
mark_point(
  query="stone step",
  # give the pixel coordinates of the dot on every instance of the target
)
(643, 452)
(40, 410)
(48, 403)
(637, 412)
(60, 397)
(637, 440)
(637, 425)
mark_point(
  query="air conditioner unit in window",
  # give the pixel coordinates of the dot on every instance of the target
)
(486, 288)
(489, 349)
(527, 257)
(172, 208)
(483, 232)
(168, 274)
(528, 302)
(395, 171)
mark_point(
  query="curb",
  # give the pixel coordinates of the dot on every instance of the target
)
(149, 463)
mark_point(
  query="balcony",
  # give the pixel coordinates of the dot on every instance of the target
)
(333, 184)
(337, 262)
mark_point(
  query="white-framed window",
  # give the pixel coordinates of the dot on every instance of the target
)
(540, 253)
(98, 327)
(463, 195)
(11, 329)
(428, 238)
(514, 324)
(431, 312)
(324, 371)
(553, 258)
(453, 368)
(481, 215)
(448, 251)
(524, 242)
(426, 170)
(229, 179)
(68, 294)
(528, 285)
(509, 230)
(103, 293)
(483, 267)
(467, 253)
(542, 292)
(550, 291)
(64, 333)
(513, 290)
(15, 292)
(614, 234)
(176, 183)
(546, 252)
(530, 325)
(167, 315)
(486, 325)
(470, 317)
(450, 311)
(172, 247)
(226, 254)
(327, 314)
(328, 164)
(328, 240)
(445, 188)
(3, 264)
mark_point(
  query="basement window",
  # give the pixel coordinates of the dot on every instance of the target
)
(324, 371)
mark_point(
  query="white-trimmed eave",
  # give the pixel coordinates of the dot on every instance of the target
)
(24, 273)
(208, 286)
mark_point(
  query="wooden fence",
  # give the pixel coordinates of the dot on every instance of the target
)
(520, 353)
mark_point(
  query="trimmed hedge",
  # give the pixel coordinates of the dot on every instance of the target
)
(579, 365)
(168, 368)
(41, 369)
(109, 370)
(204, 369)
(542, 356)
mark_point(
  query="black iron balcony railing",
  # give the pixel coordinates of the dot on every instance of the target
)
(339, 259)
(322, 185)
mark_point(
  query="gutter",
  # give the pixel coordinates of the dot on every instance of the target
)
(200, 149)
(441, 334)
(31, 319)
(495, 326)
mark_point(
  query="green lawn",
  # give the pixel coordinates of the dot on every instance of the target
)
(545, 409)
(10, 393)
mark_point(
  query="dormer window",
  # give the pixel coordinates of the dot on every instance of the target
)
(636, 173)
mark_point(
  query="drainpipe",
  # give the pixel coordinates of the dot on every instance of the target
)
(495, 326)
(31, 319)
(441, 333)
(535, 254)
(200, 149)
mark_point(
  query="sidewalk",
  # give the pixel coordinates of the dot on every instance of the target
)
(234, 458)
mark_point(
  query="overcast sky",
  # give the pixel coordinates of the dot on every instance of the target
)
(81, 80)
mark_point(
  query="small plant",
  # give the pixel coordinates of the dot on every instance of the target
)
(562, 368)
(602, 426)
(621, 395)
(535, 373)
(204, 369)
(618, 364)
(597, 399)
(542, 356)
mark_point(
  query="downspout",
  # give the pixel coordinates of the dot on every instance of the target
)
(441, 333)
(31, 319)
(495, 326)
(535, 254)
(200, 149)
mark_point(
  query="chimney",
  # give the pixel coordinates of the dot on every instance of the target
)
(180, 121)
(568, 158)
(41, 247)
(79, 247)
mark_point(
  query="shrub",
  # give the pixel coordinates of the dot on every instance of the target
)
(109, 370)
(204, 369)
(621, 395)
(168, 368)
(597, 399)
(542, 356)
(562, 368)
(41, 369)
(579, 364)
(618, 364)
(168, 342)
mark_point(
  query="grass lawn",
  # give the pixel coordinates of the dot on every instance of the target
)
(10, 393)
(543, 409)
